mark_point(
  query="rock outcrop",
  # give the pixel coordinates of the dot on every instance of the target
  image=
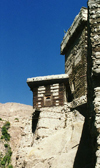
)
(53, 143)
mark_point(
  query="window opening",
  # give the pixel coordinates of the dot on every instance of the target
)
(47, 100)
(48, 97)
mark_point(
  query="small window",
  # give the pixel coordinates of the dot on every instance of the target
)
(48, 97)
(47, 100)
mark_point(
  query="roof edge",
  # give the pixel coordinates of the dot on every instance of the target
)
(79, 19)
(47, 78)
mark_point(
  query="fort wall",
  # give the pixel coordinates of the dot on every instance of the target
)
(93, 77)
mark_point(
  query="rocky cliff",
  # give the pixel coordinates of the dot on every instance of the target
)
(53, 143)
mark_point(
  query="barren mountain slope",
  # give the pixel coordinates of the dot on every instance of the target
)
(19, 116)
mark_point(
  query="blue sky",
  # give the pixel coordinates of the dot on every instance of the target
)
(31, 32)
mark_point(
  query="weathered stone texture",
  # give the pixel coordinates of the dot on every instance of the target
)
(78, 65)
(74, 47)
(93, 77)
(56, 127)
(54, 143)
(79, 101)
(50, 120)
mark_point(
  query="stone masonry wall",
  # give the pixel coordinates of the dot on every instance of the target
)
(93, 77)
(76, 65)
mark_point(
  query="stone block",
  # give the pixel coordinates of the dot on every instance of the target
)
(40, 95)
(41, 91)
(97, 109)
(97, 89)
(98, 160)
(54, 87)
(41, 88)
(55, 93)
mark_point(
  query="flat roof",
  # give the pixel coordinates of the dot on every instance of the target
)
(42, 80)
(73, 31)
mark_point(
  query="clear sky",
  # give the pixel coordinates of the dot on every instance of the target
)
(31, 32)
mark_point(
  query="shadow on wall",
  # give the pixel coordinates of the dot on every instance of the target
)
(35, 118)
(84, 156)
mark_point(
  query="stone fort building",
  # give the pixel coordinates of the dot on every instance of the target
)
(55, 90)
(77, 89)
